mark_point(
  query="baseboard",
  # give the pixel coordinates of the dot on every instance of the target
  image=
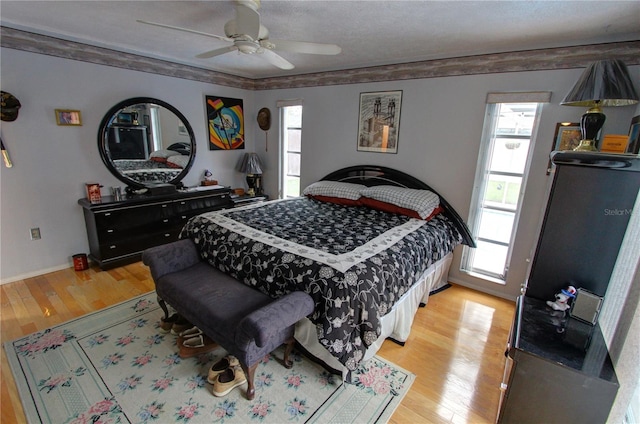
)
(495, 293)
(35, 273)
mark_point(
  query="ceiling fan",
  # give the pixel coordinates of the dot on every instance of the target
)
(249, 36)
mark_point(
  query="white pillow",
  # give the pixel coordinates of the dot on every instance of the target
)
(334, 189)
(423, 202)
(178, 161)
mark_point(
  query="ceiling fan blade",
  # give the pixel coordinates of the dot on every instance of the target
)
(219, 37)
(276, 60)
(304, 47)
(216, 52)
(247, 21)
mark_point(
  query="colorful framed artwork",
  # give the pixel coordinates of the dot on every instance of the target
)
(225, 120)
(379, 121)
(68, 117)
(633, 145)
(567, 137)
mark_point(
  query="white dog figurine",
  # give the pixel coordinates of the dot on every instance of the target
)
(562, 299)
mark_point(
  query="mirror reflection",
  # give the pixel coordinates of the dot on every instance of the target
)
(146, 141)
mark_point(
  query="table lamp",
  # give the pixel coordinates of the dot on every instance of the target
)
(250, 164)
(603, 83)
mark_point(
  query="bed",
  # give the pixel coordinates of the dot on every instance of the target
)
(367, 267)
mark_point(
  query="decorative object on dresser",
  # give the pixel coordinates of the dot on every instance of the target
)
(140, 155)
(119, 231)
(603, 83)
(633, 145)
(251, 165)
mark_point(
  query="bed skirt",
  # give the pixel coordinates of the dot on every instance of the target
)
(395, 325)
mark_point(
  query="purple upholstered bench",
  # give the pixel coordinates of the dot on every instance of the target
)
(244, 321)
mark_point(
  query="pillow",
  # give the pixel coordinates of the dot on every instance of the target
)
(334, 189)
(162, 155)
(391, 208)
(177, 161)
(337, 200)
(423, 202)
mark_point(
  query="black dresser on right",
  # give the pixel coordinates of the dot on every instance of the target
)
(558, 368)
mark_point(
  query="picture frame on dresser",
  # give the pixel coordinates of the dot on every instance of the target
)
(566, 137)
(633, 144)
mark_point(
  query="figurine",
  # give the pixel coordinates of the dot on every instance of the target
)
(208, 176)
(562, 299)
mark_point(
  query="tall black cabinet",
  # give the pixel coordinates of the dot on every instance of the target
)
(558, 369)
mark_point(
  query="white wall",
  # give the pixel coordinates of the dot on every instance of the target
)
(440, 126)
(439, 137)
(52, 163)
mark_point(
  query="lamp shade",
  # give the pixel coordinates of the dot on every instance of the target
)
(603, 83)
(250, 164)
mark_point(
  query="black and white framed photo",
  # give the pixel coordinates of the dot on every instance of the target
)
(379, 121)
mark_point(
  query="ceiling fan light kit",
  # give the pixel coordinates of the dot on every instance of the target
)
(249, 36)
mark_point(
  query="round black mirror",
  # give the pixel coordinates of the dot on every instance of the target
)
(145, 141)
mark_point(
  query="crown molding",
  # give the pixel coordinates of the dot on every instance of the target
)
(528, 60)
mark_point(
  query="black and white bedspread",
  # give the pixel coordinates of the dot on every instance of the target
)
(354, 261)
(144, 171)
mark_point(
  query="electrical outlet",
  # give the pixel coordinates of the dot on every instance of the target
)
(35, 233)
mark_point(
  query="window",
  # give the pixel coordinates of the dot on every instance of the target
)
(503, 162)
(291, 150)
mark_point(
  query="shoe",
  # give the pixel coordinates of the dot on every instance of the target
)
(228, 380)
(196, 346)
(167, 324)
(220, 366)
(191, 332)
(188, 334)
(180, 325)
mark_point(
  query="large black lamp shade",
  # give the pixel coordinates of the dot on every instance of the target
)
(603, 83)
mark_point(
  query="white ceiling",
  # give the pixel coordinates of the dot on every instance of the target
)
(369, 32)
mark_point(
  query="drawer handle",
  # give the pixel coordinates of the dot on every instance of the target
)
(112, 246)
(109, 231)
(107, 214)
(164, 206)
(184, 216)
(167, 235)
(165, 220)
(183, 203)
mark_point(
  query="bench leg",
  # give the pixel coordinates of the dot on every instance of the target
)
(287, 351)
(163, 305)
(250, 374)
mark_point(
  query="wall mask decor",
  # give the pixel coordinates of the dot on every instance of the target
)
(264, 122)
(9, 107)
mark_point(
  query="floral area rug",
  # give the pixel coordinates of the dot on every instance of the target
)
(114, 366)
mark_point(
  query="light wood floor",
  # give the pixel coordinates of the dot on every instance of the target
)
(456, 347)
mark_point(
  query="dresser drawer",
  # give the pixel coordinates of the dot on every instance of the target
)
(191, 207)
(124, 219)
(128, 246)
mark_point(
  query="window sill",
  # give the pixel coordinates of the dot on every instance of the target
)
(485, 277)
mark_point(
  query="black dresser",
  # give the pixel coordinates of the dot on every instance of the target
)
(558, 369)
(119, 231)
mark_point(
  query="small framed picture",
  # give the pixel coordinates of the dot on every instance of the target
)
(68, 117)
(633, 145)
(567, 137)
